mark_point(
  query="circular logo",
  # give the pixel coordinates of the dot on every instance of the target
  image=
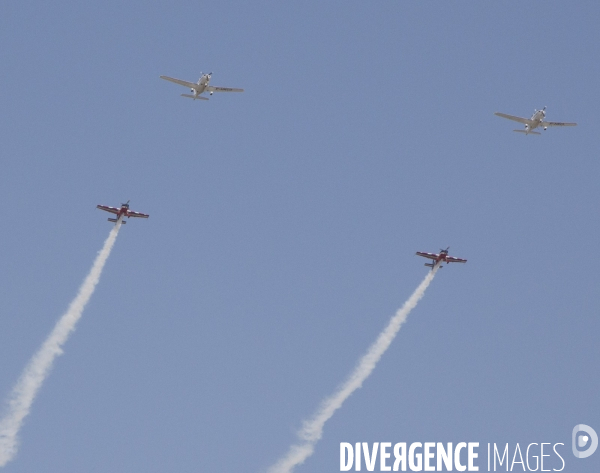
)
(582, 441)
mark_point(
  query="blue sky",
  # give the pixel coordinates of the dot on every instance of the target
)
(284, 223)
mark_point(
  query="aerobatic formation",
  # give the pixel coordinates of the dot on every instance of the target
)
(37, 370)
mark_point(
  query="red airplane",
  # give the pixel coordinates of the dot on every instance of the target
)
(438, 259)
(122, 212)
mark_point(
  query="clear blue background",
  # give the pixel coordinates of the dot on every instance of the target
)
(284, 221)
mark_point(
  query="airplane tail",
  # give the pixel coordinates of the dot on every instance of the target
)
(432, 265)
(116, 220)
(528, 132)
(194, 97)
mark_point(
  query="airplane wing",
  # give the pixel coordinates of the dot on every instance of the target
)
(427, 255)
(211, 88)
(131, 213)
(452, 259)
(544, 124)
(191, 85)
(525, 121)
(112, 210)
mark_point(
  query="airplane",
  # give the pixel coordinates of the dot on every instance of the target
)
(121, 212)
(537, 119)
(440, 258)
(201, 86)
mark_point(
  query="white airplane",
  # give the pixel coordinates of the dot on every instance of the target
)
(537, 119)
(201, 86)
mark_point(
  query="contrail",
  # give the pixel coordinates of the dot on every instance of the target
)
(312, 429)
(39, 366)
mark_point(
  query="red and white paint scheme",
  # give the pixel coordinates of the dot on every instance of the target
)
(121, 212)
(439, 258)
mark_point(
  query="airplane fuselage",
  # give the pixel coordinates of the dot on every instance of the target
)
(123, 212)
(201, 85)
(537, 118)
(441, 258)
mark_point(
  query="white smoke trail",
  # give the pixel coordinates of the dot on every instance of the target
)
(39, 366)
(312, 429)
